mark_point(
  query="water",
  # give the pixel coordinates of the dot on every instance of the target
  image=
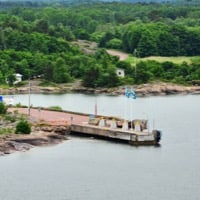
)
(94, 169)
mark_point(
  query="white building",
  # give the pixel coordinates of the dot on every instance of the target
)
(18, 78)
(120, 72)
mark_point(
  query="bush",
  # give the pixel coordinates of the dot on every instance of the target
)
(114, 44)
(23, 127)
(11, 118)
(55, 108)
(3, 108)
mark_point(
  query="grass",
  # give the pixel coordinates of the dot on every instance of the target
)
(46, 83)
(4, 86)
(131, 60)
(176, 60)
(4, 131)
(55, 108)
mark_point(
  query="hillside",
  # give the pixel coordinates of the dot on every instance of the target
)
(47, 41)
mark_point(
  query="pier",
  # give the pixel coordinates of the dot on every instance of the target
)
(113, 129)
(105, 127)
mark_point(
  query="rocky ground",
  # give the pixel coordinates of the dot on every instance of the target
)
(158, 88)
(150, 89)
(13, 142)
(42, 133)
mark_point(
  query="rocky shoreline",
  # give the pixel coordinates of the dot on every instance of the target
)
(48, 135)
(149, 89)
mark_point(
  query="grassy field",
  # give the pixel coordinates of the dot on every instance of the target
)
(177, 60)
(129, 58)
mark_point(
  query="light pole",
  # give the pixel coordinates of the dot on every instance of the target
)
(29, 92)
(95, 105)
(135, 55)
(29, 97)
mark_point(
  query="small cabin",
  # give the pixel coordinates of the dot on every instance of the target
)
(120, 72)
(18, 78)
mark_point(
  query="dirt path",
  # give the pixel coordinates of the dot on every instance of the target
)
(121, 55)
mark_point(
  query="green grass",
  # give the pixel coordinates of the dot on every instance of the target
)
(174, 59)
(4, 131)
(55, 108)
(177, 60)
(131, 60)
(4, 86)
(46, 83)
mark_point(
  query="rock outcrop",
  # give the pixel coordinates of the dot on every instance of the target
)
(39, 137)
(158, 88)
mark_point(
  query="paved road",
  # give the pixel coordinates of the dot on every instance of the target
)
(53, 117)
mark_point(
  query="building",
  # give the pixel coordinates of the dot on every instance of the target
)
(18, 78)
(120, 72)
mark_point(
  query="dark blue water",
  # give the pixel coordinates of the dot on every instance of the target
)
(94, 169)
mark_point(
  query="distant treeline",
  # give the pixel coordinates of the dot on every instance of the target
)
(42, 3)
(39, 40)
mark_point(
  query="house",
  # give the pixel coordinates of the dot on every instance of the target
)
(120, 72)
(18, 78)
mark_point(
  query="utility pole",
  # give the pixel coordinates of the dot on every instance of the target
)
(29, 93)
(135, 55)
(29, 97)
(95, 105)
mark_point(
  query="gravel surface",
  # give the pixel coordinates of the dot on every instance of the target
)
(53, 117)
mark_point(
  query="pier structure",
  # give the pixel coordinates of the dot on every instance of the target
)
(100, 126)
(136, 133)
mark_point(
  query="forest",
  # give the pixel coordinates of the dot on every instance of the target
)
(40, 40)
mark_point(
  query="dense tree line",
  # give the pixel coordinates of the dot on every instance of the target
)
(38, 40)
(152, 29)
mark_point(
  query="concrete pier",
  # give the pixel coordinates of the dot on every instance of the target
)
(131, 136)
(134, 132)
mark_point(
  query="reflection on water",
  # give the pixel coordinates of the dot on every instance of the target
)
(86, 168)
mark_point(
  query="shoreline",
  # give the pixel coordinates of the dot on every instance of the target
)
(12, 143)
(149, 89)
(50, 128)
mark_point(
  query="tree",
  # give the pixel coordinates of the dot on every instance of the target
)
(107, 36)
(168, 45)
(60, 72)
(11, 78)
(131, 36)
(109, 78)
(143, 74)
(42, 26)
(147, 45)
(114, 44)
(91, 75)
(2, 80)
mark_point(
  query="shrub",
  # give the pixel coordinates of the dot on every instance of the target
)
(3, 108)
(23, 127)
(11, 118)
(55, 108)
